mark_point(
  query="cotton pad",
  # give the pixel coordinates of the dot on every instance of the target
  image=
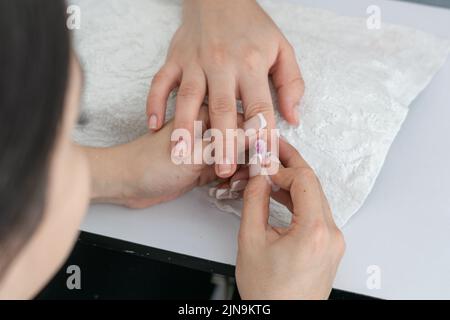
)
(359, 84)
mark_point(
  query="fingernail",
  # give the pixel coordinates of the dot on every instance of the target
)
(256, 123)
(225, 168)
(153, 122)
(267, 159)
(238, 185)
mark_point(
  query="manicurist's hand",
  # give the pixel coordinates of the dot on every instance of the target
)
(295, 263)
(226, 49)
(141, 173)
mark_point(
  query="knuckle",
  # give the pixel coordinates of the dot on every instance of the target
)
(290, 48)
(221, 105)
(217, 54)
(190, 90)
(306, 174)
(299, 83)
(252, 58)
(183, 124)
(320, 234)
(258, 107)
(296, 82)
(247, 240)
(339, 243)
(161, 76)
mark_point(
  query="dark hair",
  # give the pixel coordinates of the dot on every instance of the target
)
(34, 62)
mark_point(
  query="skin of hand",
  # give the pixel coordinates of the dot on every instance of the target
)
(141, 173)
(299, 262)
(226, 49)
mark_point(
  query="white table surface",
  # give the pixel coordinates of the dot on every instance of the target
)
(404, 226)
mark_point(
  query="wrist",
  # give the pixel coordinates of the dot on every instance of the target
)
(109, 175)
(195, 7)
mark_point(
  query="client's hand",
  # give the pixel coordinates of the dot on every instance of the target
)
(141, 173)
(295, 263)
(226, 49)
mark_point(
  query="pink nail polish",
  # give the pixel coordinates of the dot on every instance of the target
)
(153, 122)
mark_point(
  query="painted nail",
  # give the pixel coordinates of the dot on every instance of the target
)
(225, 168)
(267, 159)
(153, 122)
(238, 185)
(256, 123)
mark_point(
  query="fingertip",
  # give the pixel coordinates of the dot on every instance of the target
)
(156, 109)
(289, 114)
(257, 187)
(225, 170)
(153, 122)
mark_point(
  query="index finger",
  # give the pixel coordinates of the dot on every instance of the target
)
(302, 183)
(289, 156)
(255, 212)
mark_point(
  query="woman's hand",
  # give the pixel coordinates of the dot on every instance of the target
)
(226, 49)
(141, 173)
(295, 263)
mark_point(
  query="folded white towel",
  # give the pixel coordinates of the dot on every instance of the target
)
(359, 84)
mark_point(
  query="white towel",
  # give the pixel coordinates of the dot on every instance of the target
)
(359, 84)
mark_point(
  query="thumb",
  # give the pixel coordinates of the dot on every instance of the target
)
(255, 212)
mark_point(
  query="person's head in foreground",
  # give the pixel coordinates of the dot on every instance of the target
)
(47, 181)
